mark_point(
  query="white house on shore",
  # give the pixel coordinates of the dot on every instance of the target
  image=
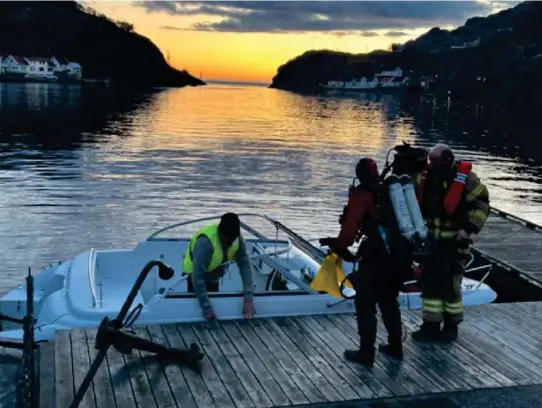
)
(73, 68)
(384, 79)
(392, 79)
(38, 67)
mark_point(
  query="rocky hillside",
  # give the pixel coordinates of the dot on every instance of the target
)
(105, 48)
(499, 56)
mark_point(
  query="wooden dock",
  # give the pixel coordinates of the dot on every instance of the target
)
(512, 242)
(10, 365)
(296, 361)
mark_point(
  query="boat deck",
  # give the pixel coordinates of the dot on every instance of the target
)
(298, 361)
(513, 243)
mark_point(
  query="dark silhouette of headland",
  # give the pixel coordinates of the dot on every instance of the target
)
(494, 59)
(105, 49)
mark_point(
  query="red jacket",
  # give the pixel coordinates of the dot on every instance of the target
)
(360, 201)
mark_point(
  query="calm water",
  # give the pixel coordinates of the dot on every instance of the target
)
(92, 167)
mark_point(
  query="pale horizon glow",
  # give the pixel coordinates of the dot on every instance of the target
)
(239, 56)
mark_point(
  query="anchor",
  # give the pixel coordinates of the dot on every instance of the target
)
(111, 333)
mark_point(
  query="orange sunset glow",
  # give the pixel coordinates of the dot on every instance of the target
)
(250, 56)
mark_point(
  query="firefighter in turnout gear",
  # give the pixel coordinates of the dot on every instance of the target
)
(455, 205)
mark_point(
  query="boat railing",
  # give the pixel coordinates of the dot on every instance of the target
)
(215, 217)
(300, 242)
(92, 277)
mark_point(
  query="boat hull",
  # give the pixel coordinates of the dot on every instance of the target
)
(81, 292)
(54, 312)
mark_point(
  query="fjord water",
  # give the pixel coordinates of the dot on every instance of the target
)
(95, 167)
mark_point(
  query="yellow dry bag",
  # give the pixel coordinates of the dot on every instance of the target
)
(330, 275)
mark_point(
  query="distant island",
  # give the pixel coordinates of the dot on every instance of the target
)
(105, 49)
(489, 59)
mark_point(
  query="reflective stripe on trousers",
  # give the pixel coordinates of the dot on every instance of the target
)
(433, 310)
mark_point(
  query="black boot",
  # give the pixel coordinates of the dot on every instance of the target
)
(449, 331)
(365, 356)
(428, 332)
(393, 350)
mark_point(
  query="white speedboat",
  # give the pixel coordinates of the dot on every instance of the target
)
(94, 284)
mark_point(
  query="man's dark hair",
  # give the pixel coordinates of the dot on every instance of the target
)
(230, 225)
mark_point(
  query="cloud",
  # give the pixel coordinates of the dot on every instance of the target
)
(396, 34)
(171, 28)
(321, 16)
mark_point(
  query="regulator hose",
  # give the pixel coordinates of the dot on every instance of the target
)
(341, 287)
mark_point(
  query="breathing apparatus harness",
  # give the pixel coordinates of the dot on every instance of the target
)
(410, 160)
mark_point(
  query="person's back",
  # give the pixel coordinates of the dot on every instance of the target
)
(374, 282)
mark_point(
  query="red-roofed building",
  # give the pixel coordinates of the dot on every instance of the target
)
(15, 64)
(39, 67)
(392, 78)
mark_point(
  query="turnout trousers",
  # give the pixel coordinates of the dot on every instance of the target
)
(441, 284)
(378, 283)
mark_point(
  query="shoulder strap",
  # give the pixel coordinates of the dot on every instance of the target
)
(421, 186)
(453, 196)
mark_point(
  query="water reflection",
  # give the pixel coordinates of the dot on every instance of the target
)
(41, 125)
(500, 143)
(88, 166)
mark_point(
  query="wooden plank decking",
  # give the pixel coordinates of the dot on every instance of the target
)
(295, 361)
(513, 242)
(10, 363)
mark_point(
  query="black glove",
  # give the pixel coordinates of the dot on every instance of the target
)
(329, 242)
(348, 256)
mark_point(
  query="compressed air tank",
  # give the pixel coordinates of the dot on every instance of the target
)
(413, 206)
(400, 206)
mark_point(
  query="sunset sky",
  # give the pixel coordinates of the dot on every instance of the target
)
(248, 41)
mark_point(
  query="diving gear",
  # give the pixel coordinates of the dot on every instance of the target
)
(400, 207)
(413, 206)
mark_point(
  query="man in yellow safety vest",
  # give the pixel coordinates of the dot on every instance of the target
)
(207, 251)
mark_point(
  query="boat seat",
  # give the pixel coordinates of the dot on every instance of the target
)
(169, 252)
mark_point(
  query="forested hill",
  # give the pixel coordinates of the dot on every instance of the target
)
(499, 56)
(104, 48)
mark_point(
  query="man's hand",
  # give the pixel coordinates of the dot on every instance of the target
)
(248, 309)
